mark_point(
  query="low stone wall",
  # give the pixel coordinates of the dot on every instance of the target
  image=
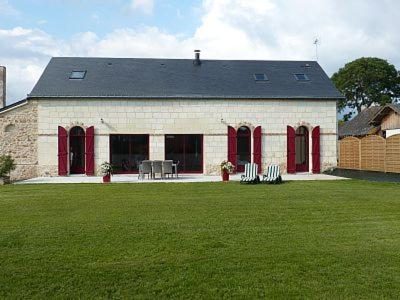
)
(18, 138)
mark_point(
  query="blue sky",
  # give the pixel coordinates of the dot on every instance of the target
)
(66, 18)
(32, 31)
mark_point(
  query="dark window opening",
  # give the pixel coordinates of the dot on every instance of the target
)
(302, 149)
(77, 75)
(243, 147)
(301, 77)
(187, 149)
(77, 150)
(260, 77)
(128, 151)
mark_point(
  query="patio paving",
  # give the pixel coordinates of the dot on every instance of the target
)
(182, 178)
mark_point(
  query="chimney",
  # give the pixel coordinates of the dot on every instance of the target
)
(197, 61)
(2, 87)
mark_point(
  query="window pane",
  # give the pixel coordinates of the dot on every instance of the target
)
(127, 151)
(186, 149)
(120, 153)
(77, 75)
(174, 149)
(301, 77)
(139, 151)
(193, 153)
(260, 77)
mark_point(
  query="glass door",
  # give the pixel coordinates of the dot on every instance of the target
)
(302, 149)
(127, 151)
(243, 147)
(187, 150)
(77, 150)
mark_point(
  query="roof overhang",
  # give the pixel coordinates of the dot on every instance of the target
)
(385, 111)
(13, 106)
(180, 97)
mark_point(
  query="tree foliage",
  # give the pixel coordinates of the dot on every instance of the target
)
(365, 82)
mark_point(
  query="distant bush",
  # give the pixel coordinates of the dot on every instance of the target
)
(6, 165)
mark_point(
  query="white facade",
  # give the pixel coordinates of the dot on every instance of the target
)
(207, 117)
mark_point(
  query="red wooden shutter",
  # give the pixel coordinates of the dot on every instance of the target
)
(232, 145)
(90, 151)
(62, 151)
(257, 147)
(291, 150)
(316, 157)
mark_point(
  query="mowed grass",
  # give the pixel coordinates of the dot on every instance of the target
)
(207, 240)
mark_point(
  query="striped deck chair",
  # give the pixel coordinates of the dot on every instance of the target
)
(250, 174)
(272, 174)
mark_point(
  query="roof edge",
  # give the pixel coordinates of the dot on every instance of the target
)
(378, 117)
(189, 97)
(13, 106)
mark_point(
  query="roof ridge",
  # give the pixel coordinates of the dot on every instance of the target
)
(184, 59)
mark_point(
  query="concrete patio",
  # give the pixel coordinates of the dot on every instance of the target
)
(182, 179)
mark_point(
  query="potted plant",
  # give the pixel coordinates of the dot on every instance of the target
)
(226, 168)
(106, 171)
(6, 166)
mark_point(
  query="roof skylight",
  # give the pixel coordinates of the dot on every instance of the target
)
(260, 77)
(301, 77)
(77, 75)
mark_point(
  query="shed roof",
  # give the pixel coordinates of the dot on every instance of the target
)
(361, 124)
(382, 113)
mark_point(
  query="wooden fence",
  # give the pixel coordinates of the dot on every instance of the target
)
(371, 153)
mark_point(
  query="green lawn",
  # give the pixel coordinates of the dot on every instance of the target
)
(338, 239)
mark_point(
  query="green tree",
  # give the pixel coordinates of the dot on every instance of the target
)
(367, 81)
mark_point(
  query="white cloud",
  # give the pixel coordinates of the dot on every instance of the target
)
(229, 29)
(7, 9)
(145, 6)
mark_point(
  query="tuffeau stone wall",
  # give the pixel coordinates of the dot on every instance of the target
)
(207, 117)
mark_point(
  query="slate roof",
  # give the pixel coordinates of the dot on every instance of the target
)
(361, 124)
(180, 78)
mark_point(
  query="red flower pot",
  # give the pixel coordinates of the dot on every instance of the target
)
(225, 175)
(107, 178)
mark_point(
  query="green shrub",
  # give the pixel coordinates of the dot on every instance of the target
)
(6, 165)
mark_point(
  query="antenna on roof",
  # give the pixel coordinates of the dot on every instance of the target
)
(317, 41)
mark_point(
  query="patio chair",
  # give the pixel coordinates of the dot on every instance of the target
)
(250, 174)
(145, 168)
(167, 168)
(175, 168)
(157, 168)
(272, 174)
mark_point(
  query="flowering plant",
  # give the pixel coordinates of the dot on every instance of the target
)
(227, 166)
(106, 169)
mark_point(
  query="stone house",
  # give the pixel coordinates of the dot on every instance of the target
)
(84, 111)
